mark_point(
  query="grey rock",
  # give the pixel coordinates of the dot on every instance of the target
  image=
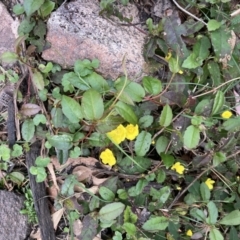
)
(8, 30)
(13, 224)
(76, 31)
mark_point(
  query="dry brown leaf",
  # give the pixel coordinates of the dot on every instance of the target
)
(56, 217)
(36, 235)
(30, 109)
(55, 163)
(51, 170)
(82, 173)
(98, 181)
(237, 100)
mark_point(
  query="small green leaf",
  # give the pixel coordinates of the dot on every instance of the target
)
(218, 158)
(164, 194)
(126, 112)
(218, 102)
(215, 73)
(213, 212)
(231, 219)
(161, 144)
(76, 152)
(155, 224)
(205, 192)
(198, 214)
(37, 79)
(89, 229)
(4, 152)
(232, 124)
(30, 6)
(215, 234)
(42, 162)
(142, 143)
(92, 105)
(174, 65)
(62, 142)
(191, 137)
(39, 118)
(130, 228)
(106, 193)
(18, 9)
(129, 216)
(71, 109)
(17, 150)
(47, 8)
(16, 177)
(145, 121)
(57, 117)
(213, 24)
(28, 130)
(168, 159)
(152, 85)
(9, 57)
(166, 116)
(111, 211)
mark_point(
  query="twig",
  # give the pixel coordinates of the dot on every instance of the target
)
(188, 13)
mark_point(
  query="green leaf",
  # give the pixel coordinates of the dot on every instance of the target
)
(16, 177)
(132, 90)
(232, 124)
(231, 219)
(137, 190)
(215, 234)
(76, 152)
(111, 211)
(218, 102)
(18, 9)
(129, 216)
(26, 26)
(126, 112)
(155, 224)
(30, 6)
(164, 194)
(130, 228)
(199, 54)
(97, 82)
(47, 8)
(85, 67)
(161, 144)
(152, 85)
(106, 194)
(28, 130)
(191, 137)
(142, 143)
(198, 214)
(213, 25)
(168, 159)
(213, 212)
(233, 234)
(161, 176)
(57, 117)
(166, 116)
(89, 228)
(42, 162)
(205, 192)
(9, 57)
(71, 109)
(17, 150)
(215, 73)
(37, 79)
(62, 142)
(145, 121)
(92, 105)
(39, 118)
(39, 172)
(218, 158)
(174, 65)
(4, 152)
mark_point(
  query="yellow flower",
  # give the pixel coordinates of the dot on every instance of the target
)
(108, 157)
(117, 135)
(209, 182)
(189, 232)
(180, 71)
(168, 56)
(178, 168)
(226, 114)
(131, 131)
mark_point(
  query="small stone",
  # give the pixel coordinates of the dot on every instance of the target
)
(77, 31)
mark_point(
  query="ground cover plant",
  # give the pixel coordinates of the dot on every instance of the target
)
(124, 160)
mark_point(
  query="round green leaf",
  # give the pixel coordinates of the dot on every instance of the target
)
(30, 6)
(152, 85)
(213, 24)
(155, 224)
(92, 105)
(215, 234)
(9, 57)
(106, 193)
(191, 137)
(38, 81)
(161, 144)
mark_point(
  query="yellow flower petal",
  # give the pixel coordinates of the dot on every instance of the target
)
(131, 131)
(189, 232)
(226, 114)
(168, 56)
(178, 168)
(180, 71)
(117, 135)
(108, 157)
(209, 182)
